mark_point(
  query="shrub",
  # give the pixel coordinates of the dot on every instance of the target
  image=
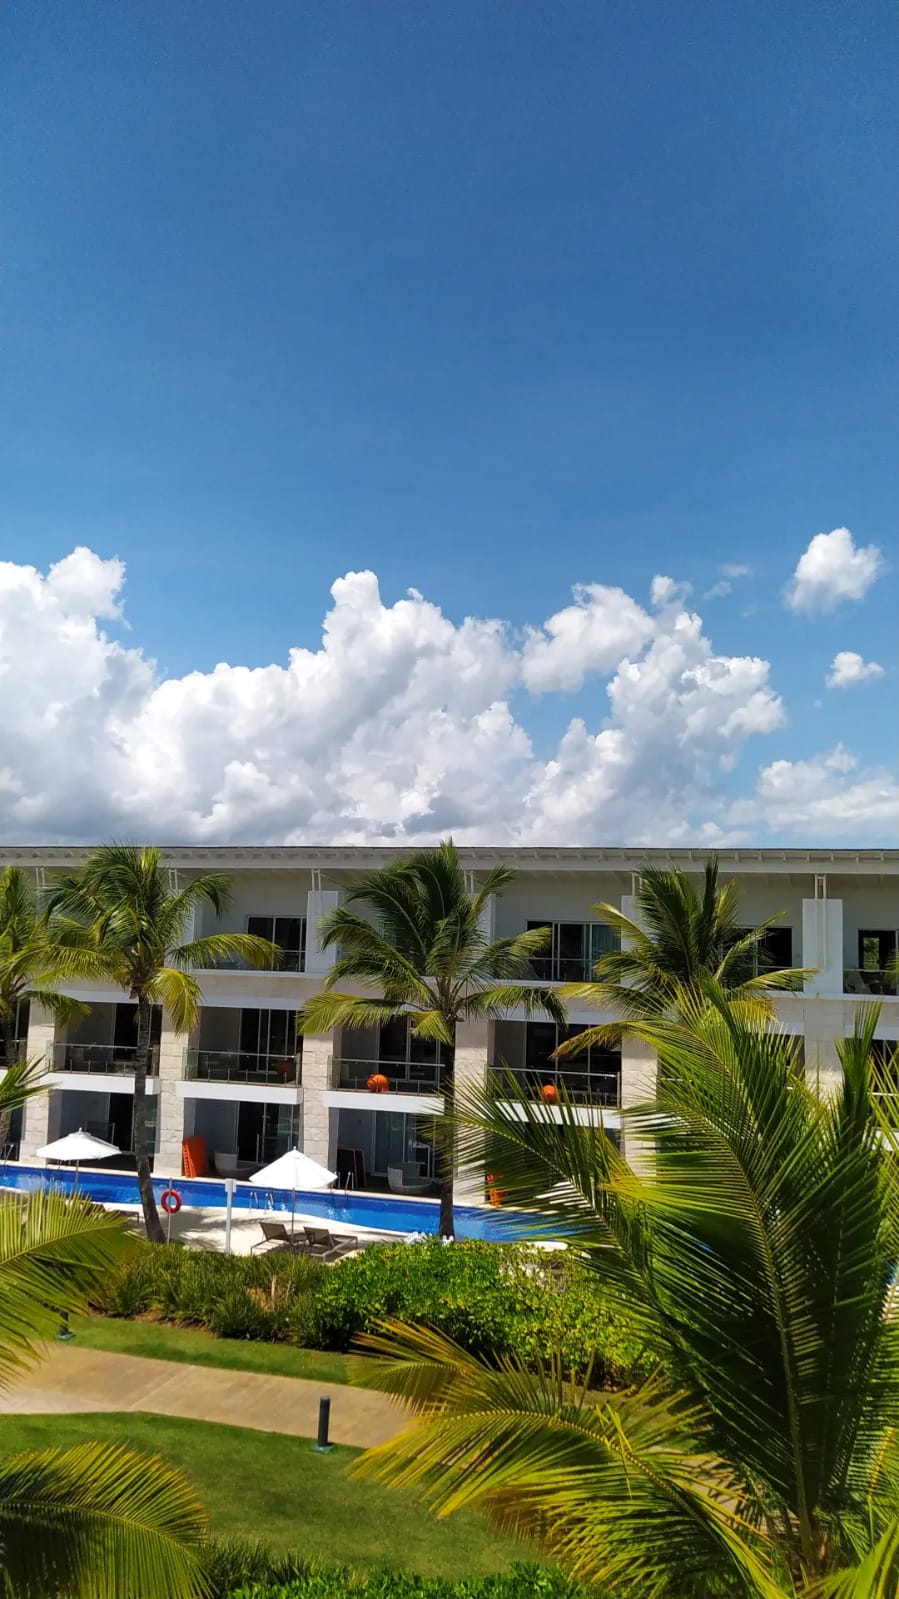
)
(336, 1582)
(494, 1299)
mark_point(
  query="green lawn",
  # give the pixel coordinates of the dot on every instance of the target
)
(159, 1341)
(275, 1489)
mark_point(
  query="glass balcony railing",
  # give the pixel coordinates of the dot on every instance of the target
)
(402, 1077)
(104, 1059)
(865, 980)
(239, 1066)
(581, 1088)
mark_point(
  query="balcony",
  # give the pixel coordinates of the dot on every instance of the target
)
(581, 1088)
(866, 980)
(403, 1077)
(107, 1060)
(238, 1066)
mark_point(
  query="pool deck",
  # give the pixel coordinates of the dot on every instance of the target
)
(90, 1381)
(204, 1228)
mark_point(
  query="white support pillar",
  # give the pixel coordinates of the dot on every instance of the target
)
(36, 1115)
(170, 1110)
(319, 1138)
(639, 1072)
(318, 902)
(824, 1021)
(470, 1073)
(822, 945)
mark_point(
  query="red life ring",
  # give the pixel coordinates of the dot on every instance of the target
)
(171, 1201)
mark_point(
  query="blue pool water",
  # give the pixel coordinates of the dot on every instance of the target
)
(387, 1213)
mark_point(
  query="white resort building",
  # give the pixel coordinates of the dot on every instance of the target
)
(248, 1087)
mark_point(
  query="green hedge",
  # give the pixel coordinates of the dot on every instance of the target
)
(237, 1570)
(522, 1582)
(494, 1299)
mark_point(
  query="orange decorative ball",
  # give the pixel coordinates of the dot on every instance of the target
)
(549, 1093)
(378, 1083)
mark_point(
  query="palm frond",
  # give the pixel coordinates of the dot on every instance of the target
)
(99, 1521)
(54, 1252)
(621, 1488)
(328, 1009)
(178, 992)
(219, 949)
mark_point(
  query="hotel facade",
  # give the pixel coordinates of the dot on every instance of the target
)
(249, 1087)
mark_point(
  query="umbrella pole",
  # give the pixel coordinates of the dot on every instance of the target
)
(293, 1206)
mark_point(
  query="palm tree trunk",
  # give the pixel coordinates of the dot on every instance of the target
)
(446, 1148)
(141, 1152)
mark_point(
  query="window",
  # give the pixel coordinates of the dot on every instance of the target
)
(592, 1078)
(772, 953)
(288, 932)
(572, 951)
(876, 949)
(399, 1045)
(268, 1032)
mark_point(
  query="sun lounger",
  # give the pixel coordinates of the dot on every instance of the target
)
(328, 1246)
(274, 1232)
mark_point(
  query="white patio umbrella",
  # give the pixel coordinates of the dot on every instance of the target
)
(78, 1147)
(294, 1170)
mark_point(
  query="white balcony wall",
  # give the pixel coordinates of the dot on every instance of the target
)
(823, 945)
(557, 899)
(318, 903)
(258, 893)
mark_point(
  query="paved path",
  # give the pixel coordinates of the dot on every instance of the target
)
(85, 1380)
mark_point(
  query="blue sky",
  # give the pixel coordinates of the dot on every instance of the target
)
(491, 299)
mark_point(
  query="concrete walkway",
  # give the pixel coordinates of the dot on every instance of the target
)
(92, 1380)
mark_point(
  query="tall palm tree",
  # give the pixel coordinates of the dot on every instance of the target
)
(34, 963)
(95, 1520)
(33, 960)
(426, 950)
(137, 922)
(679, 936)
(757, 1261)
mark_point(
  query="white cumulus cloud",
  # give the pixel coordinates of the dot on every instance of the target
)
(849, 668)
(833, 568)
(396, 723)
(589, 636)
(826, 797)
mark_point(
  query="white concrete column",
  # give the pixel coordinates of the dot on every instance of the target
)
(472, 1051)
(638, 1061)
(639, 1074)
(822, 945)
(318, 902)
(170, 1112)
(824, 1025)
(36, 1115)
(319, 1138)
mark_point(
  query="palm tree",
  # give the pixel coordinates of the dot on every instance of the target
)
(96, 1520)
(679, 937)
(757, 1261)
(137, 921)
(33, 965)
(427, 951)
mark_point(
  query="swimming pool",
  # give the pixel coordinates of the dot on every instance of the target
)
(387, 1213)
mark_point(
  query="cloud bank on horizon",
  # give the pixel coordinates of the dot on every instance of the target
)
(404, 726)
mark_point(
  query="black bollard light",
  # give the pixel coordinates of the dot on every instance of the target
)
(322, 1445)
